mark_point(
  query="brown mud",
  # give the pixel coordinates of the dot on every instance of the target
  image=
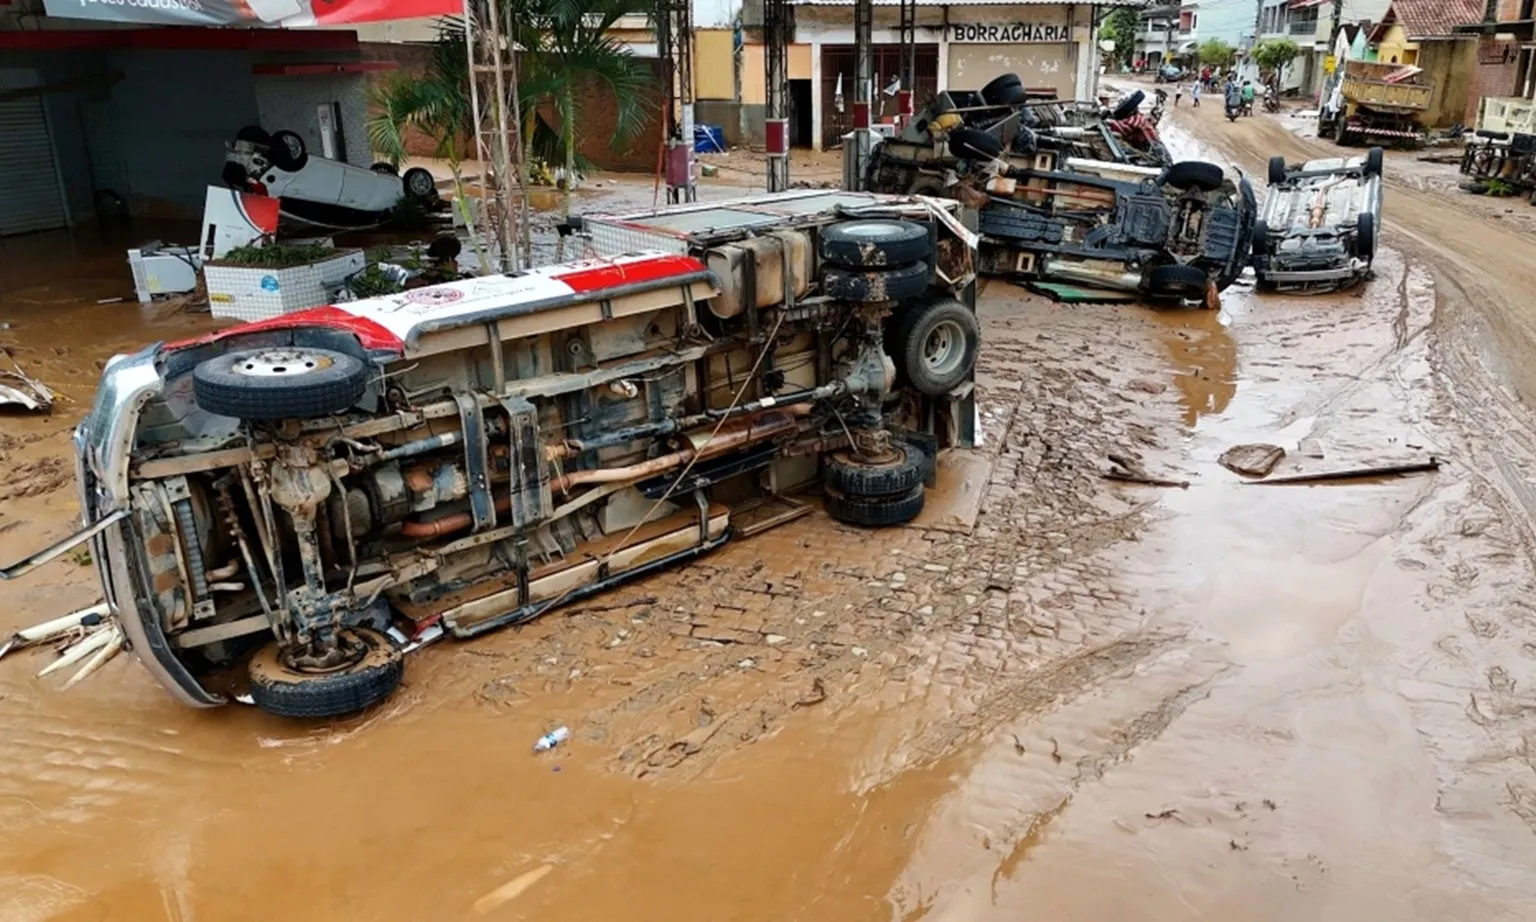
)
(1104, 700)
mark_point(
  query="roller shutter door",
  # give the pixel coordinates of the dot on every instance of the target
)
(30, 197)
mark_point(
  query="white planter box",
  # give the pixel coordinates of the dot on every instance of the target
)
(256, 293)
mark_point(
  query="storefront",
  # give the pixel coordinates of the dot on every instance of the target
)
(959, 46)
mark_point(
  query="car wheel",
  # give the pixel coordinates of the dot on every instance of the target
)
(870, 286)
(992, 91)
(374, 672)
(288, 151)
(235, 176)
(936, 344)
(852, 475)
(925, 184)
(418, 183)
(1341, 132)
(873, 511)
(1276, 170)
(1373, 161)
(254, 134)
(974, 144)
(1185, 283)
(279, 383)
(1129, 106)
(1008, 96)
(1260, 246)
(1365, 237)
(874, 244)
(1194, 174)
(389, 169)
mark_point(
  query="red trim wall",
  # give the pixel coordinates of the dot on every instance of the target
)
(180, 38)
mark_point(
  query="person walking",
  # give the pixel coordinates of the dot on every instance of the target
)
(1194, 93)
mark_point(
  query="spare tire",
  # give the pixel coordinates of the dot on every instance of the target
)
(995, 88)
(1128, 106)
(1194, 174)
(936, 345)
(875, 243)
(974, 144)
(1276, 170)
(284, 382)
(870, 286)
(1186, 283)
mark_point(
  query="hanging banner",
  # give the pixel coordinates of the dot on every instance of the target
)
(254, 13)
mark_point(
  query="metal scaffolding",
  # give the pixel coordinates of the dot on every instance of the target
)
(776, 38)
(674, 43)
(497, 116)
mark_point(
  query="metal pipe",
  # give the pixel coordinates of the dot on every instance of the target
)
(418, 447)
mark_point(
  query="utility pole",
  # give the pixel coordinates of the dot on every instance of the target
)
(863, 89)
(775, 62)
(906, 101)
(674, 42)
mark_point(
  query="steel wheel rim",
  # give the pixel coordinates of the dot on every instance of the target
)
(281, 363)
(872, 229)
(944, 347)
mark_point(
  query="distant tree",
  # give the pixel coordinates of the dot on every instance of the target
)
(1120, 28)
(1274, 54)
(1216, 53)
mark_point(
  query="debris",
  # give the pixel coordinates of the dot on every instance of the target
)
(773, 640)
(1387, 470)
(632, 603)
(1236, 846)
(113, 644)
(1055, 750)
(552, 739)
(1125, 476)
(1252, 460)
(1311, 448)
(1147, 387)
(17, 388)
(1168, 814)
(1269, 804)
(1018, 747)
(816, 695)
(74, 654)
(48, 630)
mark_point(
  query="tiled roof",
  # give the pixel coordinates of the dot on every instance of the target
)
(1435, 18)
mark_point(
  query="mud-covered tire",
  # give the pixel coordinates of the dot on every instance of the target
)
(1186, 283)
(279, 383)
(288, 151)
(419, 184)
(974, 144)
(1129, 106)
(278, 689)
(870, 286)
(1365, 237)
(388, 169)
(1373, 161)
(873, 511)
(1194, 174)
(848, 474)
(936, 345)
(875, 243)
(927, 184)
(1276, 170)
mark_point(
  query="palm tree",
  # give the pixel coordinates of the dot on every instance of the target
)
(575, 52)
(436, 104)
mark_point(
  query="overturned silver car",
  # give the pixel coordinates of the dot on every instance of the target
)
(1318, 225)
(300, 494)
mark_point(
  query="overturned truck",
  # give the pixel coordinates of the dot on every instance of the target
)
(286, 495)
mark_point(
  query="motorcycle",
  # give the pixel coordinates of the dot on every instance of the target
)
(1248, 107)
(1271, 100)
(1233, 111)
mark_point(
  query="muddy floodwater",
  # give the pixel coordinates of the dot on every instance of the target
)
(1099, 700)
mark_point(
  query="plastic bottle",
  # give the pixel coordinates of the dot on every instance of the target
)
(552, 739)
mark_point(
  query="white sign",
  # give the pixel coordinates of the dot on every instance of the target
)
(1010, 33)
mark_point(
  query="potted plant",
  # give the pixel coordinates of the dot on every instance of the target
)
(256, 282)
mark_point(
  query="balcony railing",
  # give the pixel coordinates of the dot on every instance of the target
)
(1305, 27)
